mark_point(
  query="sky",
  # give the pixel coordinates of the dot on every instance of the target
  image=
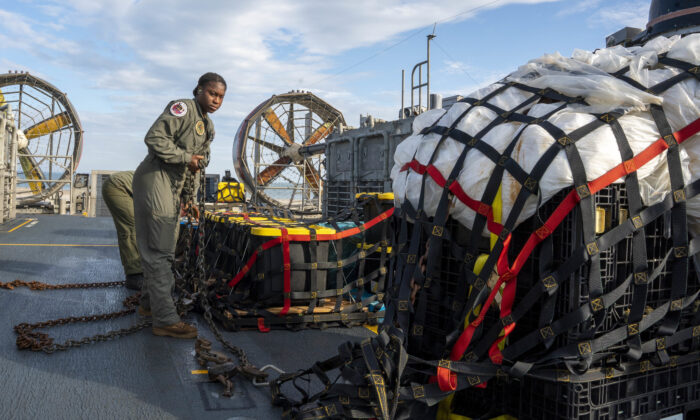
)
(121, 61)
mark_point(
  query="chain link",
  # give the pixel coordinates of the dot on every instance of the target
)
(201, 284)
(185, 275)
(28, 338)
(37, 285)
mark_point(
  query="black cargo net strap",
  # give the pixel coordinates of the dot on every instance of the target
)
(360, 382)
(245, 286)
(580, 181)
(484, 210)
(437, 228)
(688, 70)
(582, 192)
(489, 355)
(679, 230)
(414, 272)
(408, 268)
(639, 250)
(550, 284)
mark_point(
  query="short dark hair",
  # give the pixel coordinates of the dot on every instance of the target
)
(207, 78)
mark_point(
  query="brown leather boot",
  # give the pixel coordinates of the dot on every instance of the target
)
(178, 330)
(143, 311)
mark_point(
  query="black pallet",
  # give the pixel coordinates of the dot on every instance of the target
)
(482, 403)
(615, 264)
(439, 318)
(340, 195)
(655, 393)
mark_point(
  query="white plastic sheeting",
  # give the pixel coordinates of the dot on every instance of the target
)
(586, 74)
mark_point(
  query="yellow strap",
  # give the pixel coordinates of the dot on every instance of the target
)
(381, 196)
(445, 406)
(497, 207)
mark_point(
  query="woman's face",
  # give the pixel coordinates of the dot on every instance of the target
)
(211, 96)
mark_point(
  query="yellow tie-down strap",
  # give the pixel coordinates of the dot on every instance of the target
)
(276, 231)
(237, 218)
(381, 196)
(368, 246)
(445, 406)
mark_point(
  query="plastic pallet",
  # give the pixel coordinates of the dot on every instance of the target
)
(654, 394)
(439, 318)
(341, 194)
(615, 264)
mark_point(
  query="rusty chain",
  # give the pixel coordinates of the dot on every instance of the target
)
(30, 339)
(201, 287)
(37, 285)
(223, 368)
(220, 368)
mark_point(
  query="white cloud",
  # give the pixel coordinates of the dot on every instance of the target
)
(631, 13)
(608, 14)
(21, 32)
(579, 7)
(454, 67)
(138, 55)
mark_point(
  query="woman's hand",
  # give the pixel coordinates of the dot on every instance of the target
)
(189, 209)
(193, 165)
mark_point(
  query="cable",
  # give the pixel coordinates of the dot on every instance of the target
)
(455, 61)
(369, 58)
(411, 35)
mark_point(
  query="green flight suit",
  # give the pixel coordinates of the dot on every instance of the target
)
(182, 130)
(119, 197)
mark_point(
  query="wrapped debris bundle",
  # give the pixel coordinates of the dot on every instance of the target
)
(546, 229)
(568, 94)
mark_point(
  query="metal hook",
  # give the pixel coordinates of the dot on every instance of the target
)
(256, 382)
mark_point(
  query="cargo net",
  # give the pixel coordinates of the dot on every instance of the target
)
(542, 231)
(266, 270)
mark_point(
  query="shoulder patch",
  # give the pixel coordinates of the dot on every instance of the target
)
(178, 109)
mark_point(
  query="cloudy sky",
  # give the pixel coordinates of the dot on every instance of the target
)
(121, 61)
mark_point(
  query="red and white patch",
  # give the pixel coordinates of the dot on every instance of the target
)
(178, 109)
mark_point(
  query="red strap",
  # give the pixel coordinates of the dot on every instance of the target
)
(261, 325)
(305, 238)
(447, 380)
(562, 210)
(239, 276)
(287, 273)
(462, 342)
(436, 175)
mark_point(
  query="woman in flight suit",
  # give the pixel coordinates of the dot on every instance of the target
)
(178, 144)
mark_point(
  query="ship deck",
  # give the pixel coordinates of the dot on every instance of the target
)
(137, 376)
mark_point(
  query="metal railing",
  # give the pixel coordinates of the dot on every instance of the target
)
(8, 167)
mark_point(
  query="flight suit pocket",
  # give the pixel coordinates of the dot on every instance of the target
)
(163, 231)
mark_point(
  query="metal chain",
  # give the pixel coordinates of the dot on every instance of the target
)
(201, 279)
(28, 338)
(37, 285)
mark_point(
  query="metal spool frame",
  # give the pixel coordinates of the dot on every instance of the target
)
(277, 152)
(47, 119)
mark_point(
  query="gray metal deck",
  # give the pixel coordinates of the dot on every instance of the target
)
(138, 376)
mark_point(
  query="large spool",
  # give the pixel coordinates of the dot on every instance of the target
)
(50, 136)
(278, 150)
